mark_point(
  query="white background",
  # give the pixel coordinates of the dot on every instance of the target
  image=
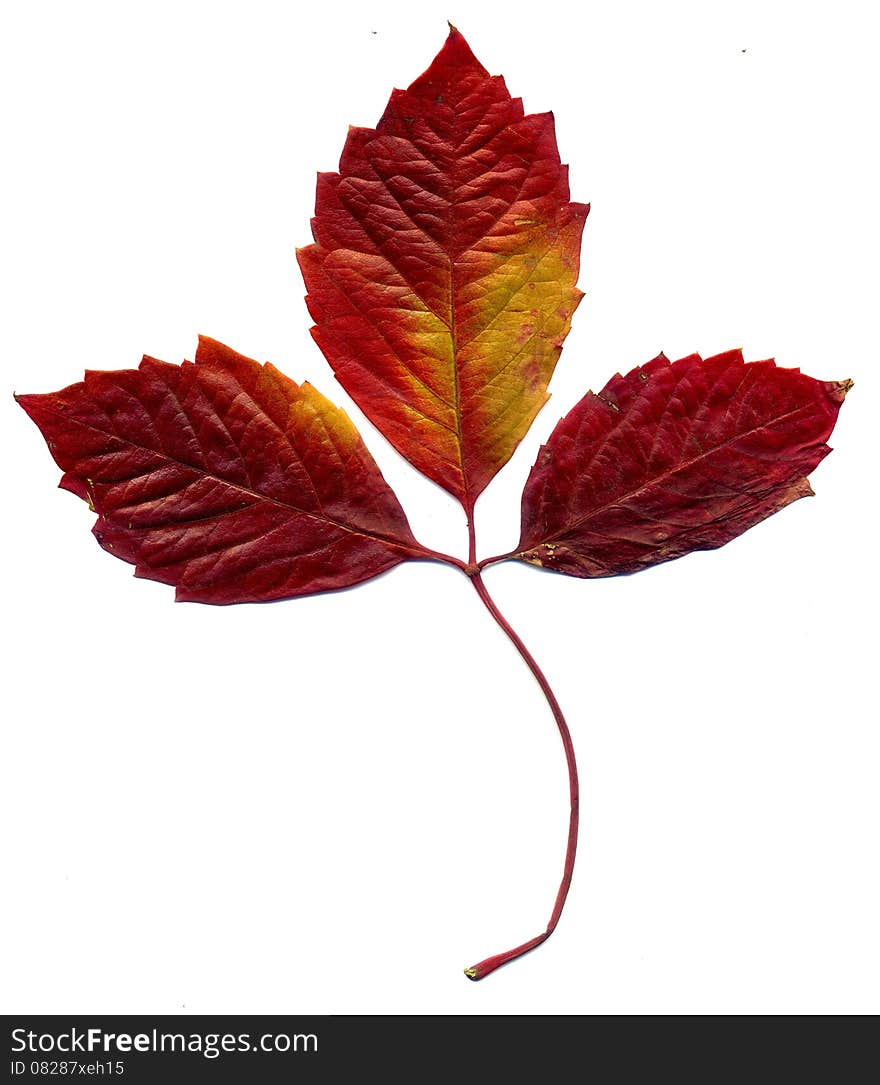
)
(335, 804)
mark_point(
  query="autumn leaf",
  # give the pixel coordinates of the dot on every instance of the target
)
(442, 282)
(671, 458)
(442, 278)
(224, 478)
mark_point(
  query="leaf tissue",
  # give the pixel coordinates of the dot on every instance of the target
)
(442, 281)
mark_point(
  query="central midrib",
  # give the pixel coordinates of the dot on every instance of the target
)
(321, 517)
(456, 380)
(657, 479)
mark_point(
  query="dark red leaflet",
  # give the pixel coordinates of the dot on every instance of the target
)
(224, 478)
(673, 457)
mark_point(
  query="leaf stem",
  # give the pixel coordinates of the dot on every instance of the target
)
(425, 553)
(472, 540)
(484, 968)
(484, 562)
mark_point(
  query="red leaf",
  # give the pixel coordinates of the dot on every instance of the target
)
(442, 281)
(442, 284)
(224, 478)
(671, 458)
